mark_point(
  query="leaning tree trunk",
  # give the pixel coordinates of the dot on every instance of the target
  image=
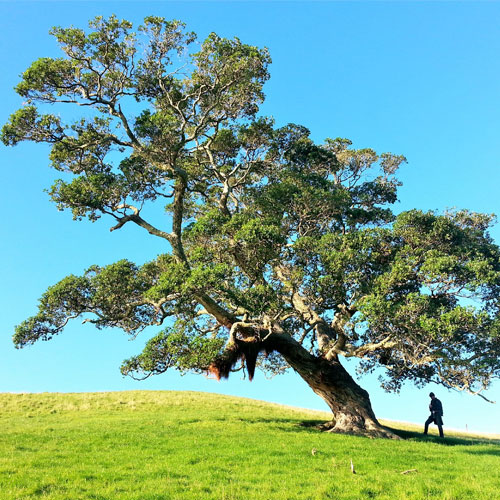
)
(349, 403)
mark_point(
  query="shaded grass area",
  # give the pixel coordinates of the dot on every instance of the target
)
(185, 445)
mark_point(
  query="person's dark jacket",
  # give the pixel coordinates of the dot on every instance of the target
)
(436, 407)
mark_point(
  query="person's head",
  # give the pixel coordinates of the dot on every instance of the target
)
(432, 395)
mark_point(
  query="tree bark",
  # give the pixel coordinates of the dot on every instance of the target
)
(349, 403)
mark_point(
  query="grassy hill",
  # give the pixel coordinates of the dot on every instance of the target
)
(184, 445)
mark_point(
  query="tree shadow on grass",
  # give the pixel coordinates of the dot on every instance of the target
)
(406, 435)
(494, 444)
(447, 440)
(490, 451)
(296, 424)
(269, 420)
(311, 426)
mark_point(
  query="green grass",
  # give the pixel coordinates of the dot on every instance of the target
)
(185, 445)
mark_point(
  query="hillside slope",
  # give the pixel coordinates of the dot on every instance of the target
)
(185, 445)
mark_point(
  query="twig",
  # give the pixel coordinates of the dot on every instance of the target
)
(409, 471)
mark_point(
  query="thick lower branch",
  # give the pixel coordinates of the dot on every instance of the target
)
(223, 316)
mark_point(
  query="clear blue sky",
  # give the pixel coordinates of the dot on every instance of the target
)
(420, 79)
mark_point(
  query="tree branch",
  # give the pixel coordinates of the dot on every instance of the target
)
(137, 219)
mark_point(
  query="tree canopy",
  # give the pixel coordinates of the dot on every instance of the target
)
(279, 251)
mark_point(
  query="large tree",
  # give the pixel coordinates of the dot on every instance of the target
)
(279, 252)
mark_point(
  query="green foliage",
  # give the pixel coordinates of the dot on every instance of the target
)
(238, 69)
(181, 347)
(170, 278)
(27, 124)
(428, 298)
(87, 195)
(267, 228)
(114, 294)
(46, 77)
(58, 303)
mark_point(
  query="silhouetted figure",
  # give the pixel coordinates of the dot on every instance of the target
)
(436, 415)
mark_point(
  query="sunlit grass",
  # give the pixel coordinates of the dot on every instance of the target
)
(185, 445)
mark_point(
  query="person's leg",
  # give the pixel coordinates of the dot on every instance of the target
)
(439, 423)
(427, 422)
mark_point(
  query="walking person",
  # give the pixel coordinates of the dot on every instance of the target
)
(436, 416)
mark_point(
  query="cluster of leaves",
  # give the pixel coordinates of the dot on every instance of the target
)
(112, 293)
(438, 300)
(181, 346)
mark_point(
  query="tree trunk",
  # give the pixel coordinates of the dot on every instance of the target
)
(350, 404)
